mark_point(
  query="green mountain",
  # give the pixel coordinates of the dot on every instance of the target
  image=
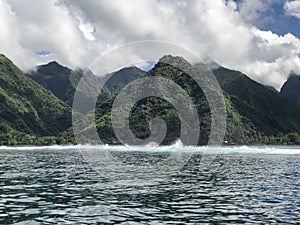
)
(26, 107)
(60, 80)
(254, 112)
(30, 114)
(115, 81)
(290, 91)
(119, 79)
(269, 113)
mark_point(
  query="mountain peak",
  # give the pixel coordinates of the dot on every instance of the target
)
(129, 69)
(292, 74)
(290, 89)
(172, 59)
(53, 64)
(122, 77)
(60, 80)
(53, 68)
(175, 61)
(179, 60)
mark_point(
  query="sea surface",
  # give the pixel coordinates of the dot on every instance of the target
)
(228, 185)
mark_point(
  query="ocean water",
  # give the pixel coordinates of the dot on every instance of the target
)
(74, 185)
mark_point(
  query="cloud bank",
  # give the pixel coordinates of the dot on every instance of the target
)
(75, 33)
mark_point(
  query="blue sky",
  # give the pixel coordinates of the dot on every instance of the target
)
(282, 23)
(149, 65)
(275, 19)
(43, 53)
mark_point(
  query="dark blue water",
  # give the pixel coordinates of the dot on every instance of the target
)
(61, 187)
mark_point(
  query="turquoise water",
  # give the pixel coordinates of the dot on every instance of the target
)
(241, 185)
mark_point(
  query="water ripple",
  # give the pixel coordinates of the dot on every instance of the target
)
(59, 187)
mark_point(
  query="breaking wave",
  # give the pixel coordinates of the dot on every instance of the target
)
(178, 146)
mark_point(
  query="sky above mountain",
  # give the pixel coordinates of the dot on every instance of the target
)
(258, 37)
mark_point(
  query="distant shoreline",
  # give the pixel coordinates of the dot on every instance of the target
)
(87, 146)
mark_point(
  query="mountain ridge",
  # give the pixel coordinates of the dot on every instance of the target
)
(25, 104)
(60, 80)
(256, 114)
(290, 90)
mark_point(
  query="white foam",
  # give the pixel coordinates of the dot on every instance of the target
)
(178, 146)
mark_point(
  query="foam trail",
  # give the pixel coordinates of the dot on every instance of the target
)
(178, 146)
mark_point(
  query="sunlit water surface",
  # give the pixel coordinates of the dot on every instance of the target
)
(54, 185)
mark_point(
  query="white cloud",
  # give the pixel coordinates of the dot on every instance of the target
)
(32, 25)
(87, 29)
(251, 10)
(273, 57)
(77, 32)
(292, 8)
(9, 37)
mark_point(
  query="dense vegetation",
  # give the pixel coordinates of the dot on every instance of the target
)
(61, 81)
(256, 115)
(27, 107)
(117, 80)
(269, 113)
(32, 115)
